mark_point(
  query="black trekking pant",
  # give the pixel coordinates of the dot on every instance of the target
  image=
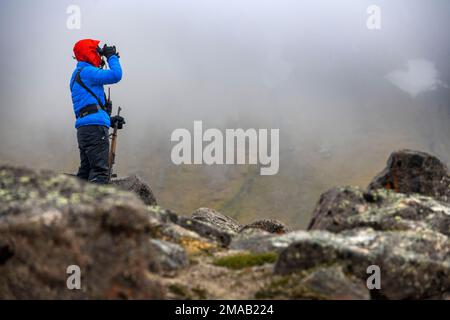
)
(93, 143)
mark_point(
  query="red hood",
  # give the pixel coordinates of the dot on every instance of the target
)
(86, 50)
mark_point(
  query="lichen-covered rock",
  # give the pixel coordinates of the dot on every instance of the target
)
(414, 265)
(332, 283)
(269, 225)
(322, 283)
(136, 185)
(216, 219)
(175, 233)
(50, 221)
(168, 226)
(410, 171)
(400, 223)
(127, 249)
(203, 229)
(336, 205)
(350, 207)
(170, 256)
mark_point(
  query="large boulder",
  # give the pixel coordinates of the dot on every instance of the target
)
(400, 223)
(50, 221)
(351, 207)
(410, 171)
(414, 265)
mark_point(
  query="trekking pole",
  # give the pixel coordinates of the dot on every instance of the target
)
(112, 149)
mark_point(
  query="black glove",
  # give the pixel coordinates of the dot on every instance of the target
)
(119, 120)
(109, 51)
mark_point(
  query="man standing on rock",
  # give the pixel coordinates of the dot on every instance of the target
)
(91, 107)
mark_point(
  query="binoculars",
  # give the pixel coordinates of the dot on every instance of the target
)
(100, 51)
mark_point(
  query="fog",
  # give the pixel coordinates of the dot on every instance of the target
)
(342, 95)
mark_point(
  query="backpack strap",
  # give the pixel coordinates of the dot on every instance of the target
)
(81, 83)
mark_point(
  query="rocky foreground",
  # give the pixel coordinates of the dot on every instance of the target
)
(129, 248)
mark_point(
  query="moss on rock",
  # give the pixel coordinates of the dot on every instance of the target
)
(245, 260)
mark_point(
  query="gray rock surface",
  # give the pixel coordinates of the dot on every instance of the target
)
(208, 230)
(332, 283)
(413, 264)
(171, 257)
(350, 207)
(136, 185)
(127, 249)
(205, 230)
(50, 221)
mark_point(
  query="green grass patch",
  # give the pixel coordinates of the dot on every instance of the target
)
(244, 260)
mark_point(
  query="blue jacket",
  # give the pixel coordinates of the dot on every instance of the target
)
(94, 78)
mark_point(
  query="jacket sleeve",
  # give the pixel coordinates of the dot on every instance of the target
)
(109, 76)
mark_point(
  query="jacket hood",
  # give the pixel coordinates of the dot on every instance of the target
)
(86, 50)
